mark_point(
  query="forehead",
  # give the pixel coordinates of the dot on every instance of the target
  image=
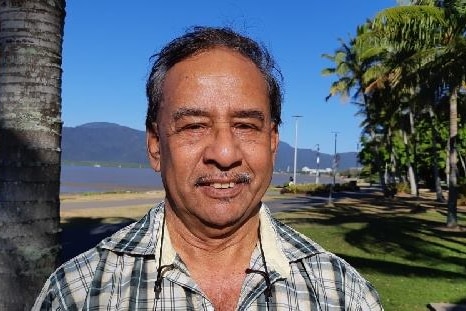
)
(218, 79)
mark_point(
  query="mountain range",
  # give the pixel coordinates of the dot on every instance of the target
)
(110, 142)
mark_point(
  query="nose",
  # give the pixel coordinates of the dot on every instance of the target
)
(223, 149)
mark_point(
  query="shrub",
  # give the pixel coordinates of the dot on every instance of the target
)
(320, 189)
(299, 188)
(403, 187)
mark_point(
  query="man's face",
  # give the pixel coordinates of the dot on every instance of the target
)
(214, 141)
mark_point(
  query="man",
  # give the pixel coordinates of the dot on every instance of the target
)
(212, 132)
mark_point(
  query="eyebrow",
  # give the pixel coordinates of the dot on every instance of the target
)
(255, 114)
(189, 112)
(194, 112)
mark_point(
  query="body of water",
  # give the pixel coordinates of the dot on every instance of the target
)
(79, 179)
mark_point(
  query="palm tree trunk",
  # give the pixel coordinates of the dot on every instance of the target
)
(378, 165)
(435, 166)
(452, 217)
(413, 164)
(447, 162)
(412, 180)
(411, 175)
(30, 133)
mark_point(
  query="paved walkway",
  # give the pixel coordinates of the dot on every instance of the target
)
(70, 205)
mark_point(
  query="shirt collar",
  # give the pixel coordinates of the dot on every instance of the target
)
(274, 254)
(167, 250)
(280, 243)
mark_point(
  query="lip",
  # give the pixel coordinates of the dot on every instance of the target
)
(221, 189)
(223, 180)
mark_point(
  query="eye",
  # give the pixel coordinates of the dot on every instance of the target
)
(247, 130)
(193, 128)
(246, 126)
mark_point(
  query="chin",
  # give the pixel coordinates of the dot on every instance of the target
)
(227, 220)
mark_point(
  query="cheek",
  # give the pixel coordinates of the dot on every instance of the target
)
(259, 155)
(180, 158)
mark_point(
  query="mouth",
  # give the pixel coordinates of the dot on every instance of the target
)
(224, 181)
(223, 185)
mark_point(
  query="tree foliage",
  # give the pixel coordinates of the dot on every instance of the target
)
(406, 71)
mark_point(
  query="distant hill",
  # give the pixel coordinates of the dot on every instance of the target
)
(109, 142)
(104, 142)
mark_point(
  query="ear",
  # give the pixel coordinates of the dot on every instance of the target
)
(153, 147)
(274, 141)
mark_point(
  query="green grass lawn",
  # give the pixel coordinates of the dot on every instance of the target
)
(400, 246)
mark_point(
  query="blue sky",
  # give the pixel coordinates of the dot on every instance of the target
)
(107, 45)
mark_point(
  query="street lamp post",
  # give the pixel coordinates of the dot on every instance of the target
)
(317, 165)
(334, 169)
(357, 161)
(295, 146)
(335, 160)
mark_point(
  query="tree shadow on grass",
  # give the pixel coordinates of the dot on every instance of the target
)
(400, 237)
(398, 269)
(406, 228)
(82, 233)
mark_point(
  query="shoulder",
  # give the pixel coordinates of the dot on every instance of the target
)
(69, 285)
(294, 244)
(333, 279)
(70, 282)
(138, 238)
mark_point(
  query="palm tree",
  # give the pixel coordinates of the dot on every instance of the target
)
(435, 33)
(350, 68)
(30, 127)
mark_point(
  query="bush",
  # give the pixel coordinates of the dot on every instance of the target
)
(299, 188)
(320, 189)
(403, 187)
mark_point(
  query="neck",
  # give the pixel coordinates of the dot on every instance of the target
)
(212, 241)
(216, 259)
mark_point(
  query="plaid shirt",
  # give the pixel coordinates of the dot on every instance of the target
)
(120, 274)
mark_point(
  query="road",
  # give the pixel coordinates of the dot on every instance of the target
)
(276, 204)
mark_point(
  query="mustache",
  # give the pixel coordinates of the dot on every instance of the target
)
(244, 178)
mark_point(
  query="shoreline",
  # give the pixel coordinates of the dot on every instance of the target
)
(119, 204)
(272, 191)
(110, 195)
